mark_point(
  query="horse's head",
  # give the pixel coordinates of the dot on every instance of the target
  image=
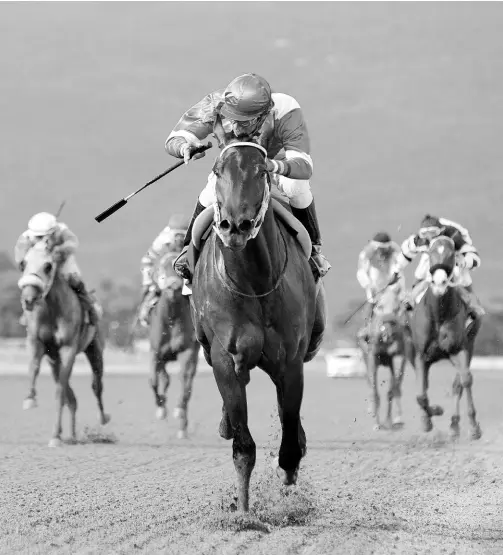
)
(39, 270)
(387, 314)
(442, 256)
(167, 279)
(242, 189)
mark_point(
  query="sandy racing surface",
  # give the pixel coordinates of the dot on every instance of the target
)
(134, 487)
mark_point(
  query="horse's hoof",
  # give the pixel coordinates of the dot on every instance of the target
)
(397, 422)
(476, 432)
(454, 432)
(182, 434)
(288, 478)
(426, 424)
(29, 403)
(178, 413)
(160, 413)
(55, 442)
(104, 419)
(436, 410)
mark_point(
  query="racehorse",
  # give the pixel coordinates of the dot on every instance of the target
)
(255, 303)
(441, 330)
(57, 327)
(172, 337)
(387, 343)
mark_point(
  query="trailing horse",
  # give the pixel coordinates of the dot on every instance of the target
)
(255, 303)
(441, 329)
(172, 338)
(386, 342)
(57, 327)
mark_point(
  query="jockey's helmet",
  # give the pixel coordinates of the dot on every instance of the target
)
(430, 227)
(246, 98)
(42, 224)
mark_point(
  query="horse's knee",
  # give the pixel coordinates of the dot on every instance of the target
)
(422, 401)
(466, 379)
(457, 388)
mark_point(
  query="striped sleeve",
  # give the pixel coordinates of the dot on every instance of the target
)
(292, 130)
(195, 124)
(471, 256)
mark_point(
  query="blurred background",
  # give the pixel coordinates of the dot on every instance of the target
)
(404, 103)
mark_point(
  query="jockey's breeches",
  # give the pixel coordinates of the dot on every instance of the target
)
(298, 191)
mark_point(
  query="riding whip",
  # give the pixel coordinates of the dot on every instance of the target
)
(119, 204)
(392, 281)
(60, 209)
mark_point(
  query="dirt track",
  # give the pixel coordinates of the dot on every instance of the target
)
(360, 491)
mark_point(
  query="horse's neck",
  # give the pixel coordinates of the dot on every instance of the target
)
(262, 259)
(58, 298)
(443, 307)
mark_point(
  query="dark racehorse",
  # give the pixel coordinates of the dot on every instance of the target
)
(172, 338)
(57, 328)
(441, 330)
(255, 303)
(387, 344)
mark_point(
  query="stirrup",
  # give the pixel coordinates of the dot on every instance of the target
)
(180, 265)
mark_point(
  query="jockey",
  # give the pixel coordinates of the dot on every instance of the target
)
(63, 244)
(169, 240)
(376, 264)
(250, 110)
(467, 258)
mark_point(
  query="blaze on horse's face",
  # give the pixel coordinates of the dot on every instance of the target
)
(442, 257)
(242, 182)
(38, 272)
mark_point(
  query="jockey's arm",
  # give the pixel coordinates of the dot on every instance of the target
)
(292, 129)
(66, 242)
(193, 127)
(23, 244)
(469, 257)
(408, 252)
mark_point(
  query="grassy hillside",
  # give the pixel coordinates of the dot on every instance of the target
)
(404, 102)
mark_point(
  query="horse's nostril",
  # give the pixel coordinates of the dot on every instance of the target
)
(245, 226)
(225, 225)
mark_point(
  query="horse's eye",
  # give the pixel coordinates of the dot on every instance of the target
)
(47, 267)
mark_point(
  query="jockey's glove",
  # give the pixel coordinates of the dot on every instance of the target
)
(394, 278)
(187, 151)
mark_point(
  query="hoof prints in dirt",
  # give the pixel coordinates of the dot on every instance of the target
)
(96, 435)
(271, 505)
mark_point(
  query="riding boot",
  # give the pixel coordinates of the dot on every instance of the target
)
(309, 219)
(180, 264)
(475, 309)
(78, 286)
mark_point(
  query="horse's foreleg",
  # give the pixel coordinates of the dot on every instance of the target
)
(94, 354)
(460, 361)
(156, 367)
(422, 369)
(231, 384)
(302, 433)
(36, 354)
(64, 395)
(374, 404)
(291, 449)
(188, 371)
(398, 363)
(457, 392)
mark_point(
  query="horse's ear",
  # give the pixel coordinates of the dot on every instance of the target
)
(218, 131)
